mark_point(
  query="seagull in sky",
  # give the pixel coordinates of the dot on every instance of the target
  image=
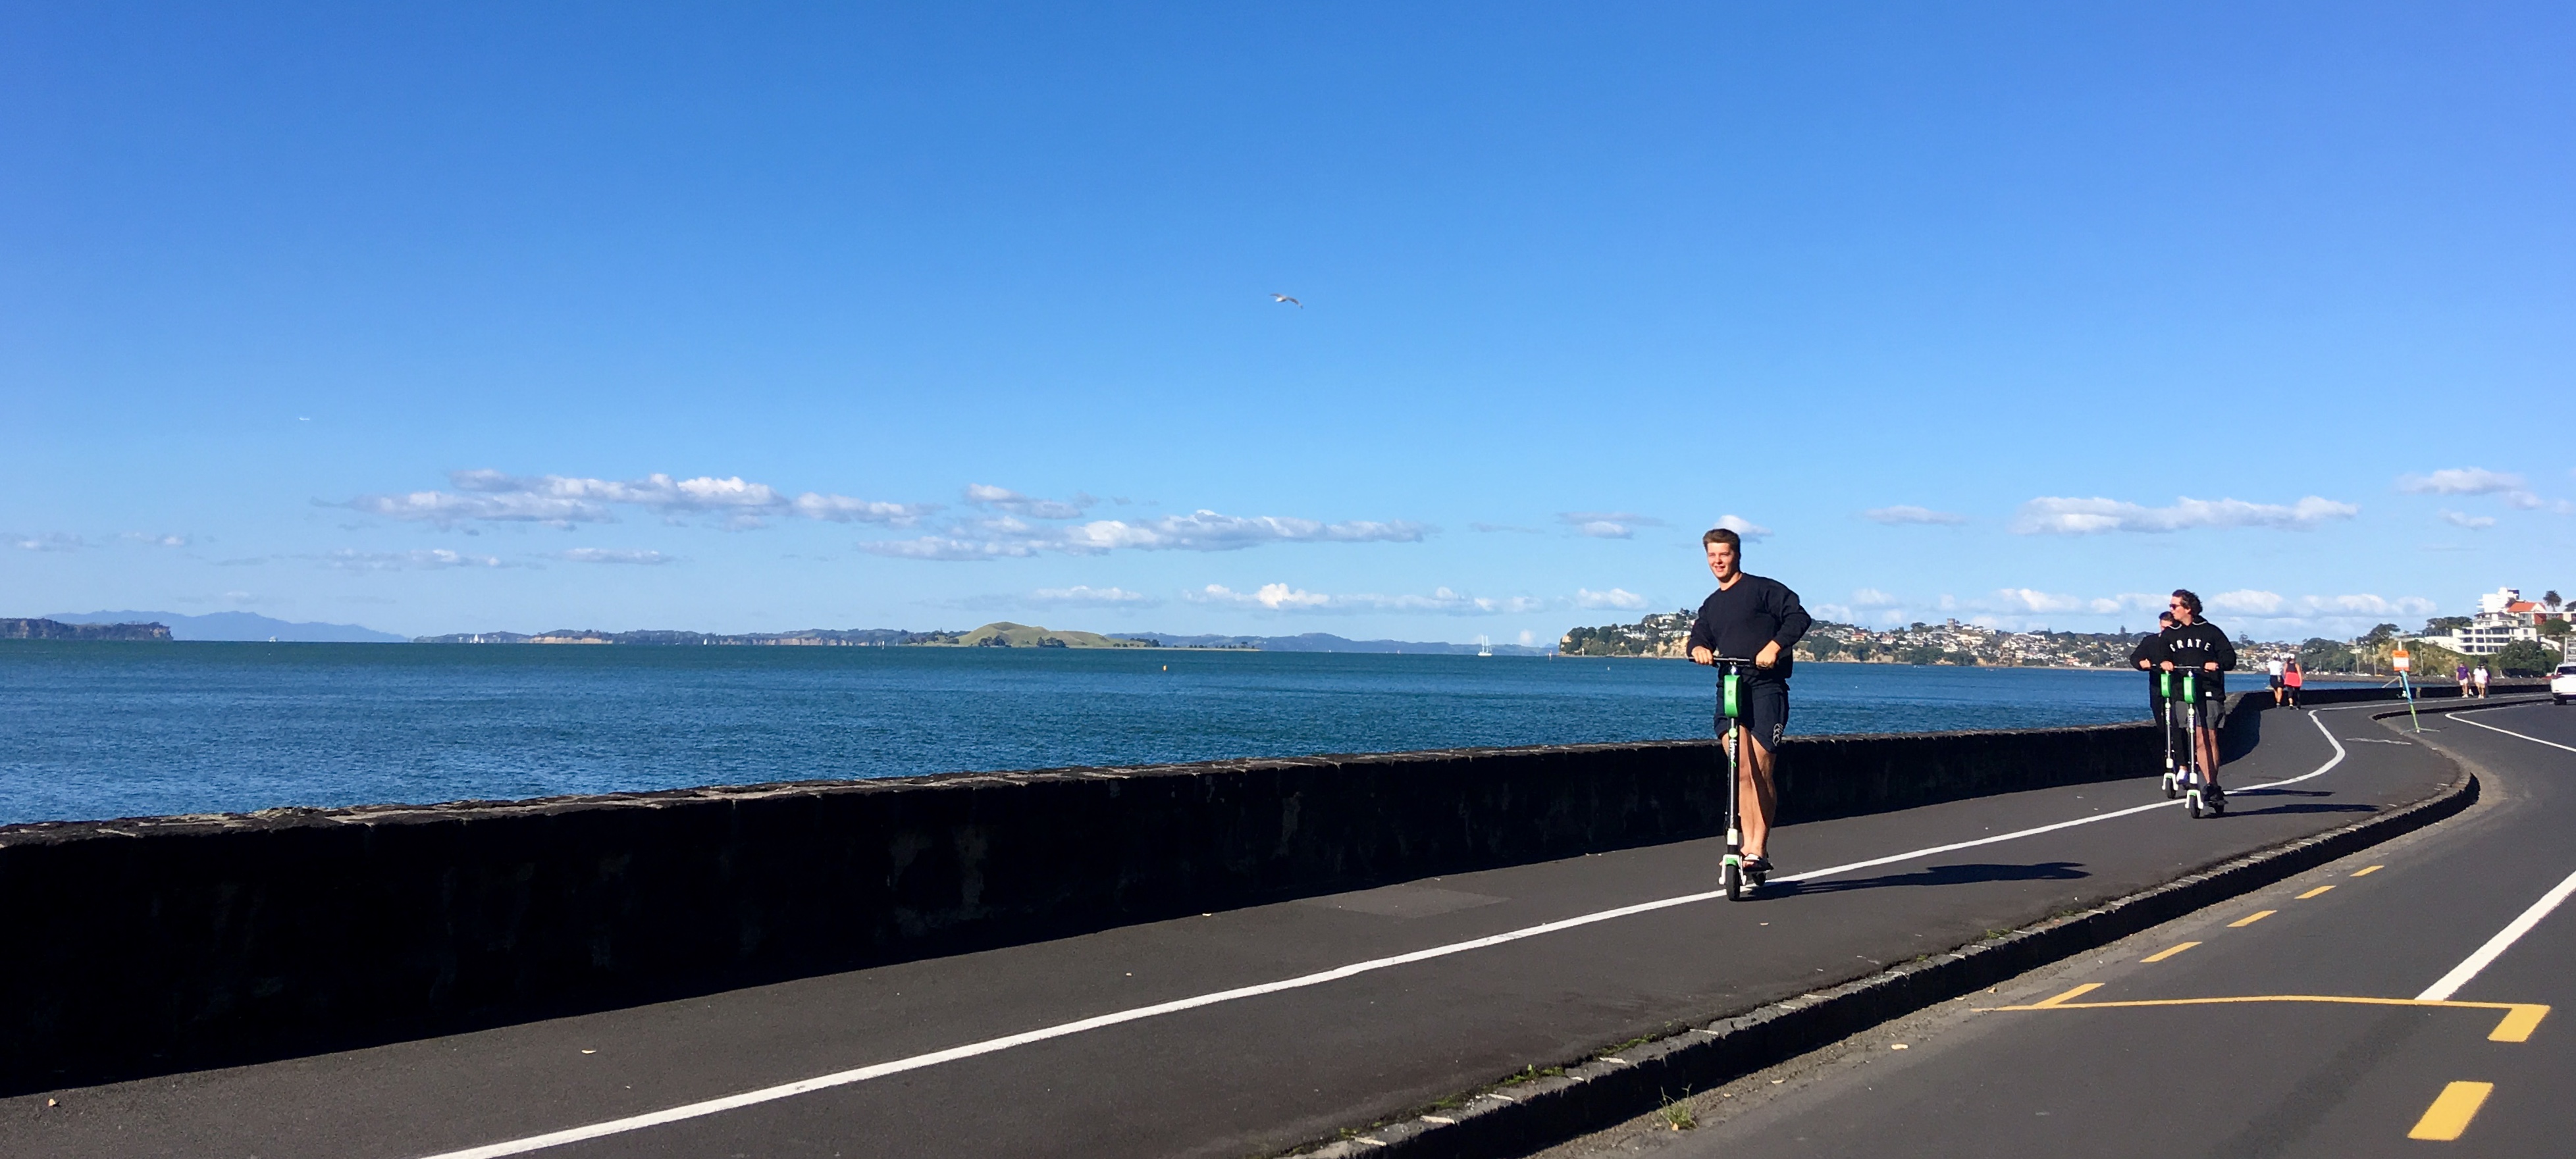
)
(1287, 299)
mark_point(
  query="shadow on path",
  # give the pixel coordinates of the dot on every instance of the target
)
(1935, 875)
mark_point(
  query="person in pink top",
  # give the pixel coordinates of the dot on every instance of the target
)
(2291, 680)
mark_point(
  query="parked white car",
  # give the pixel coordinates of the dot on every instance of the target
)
(2562, 684)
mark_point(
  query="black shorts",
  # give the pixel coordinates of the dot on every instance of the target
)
(1765, 705)
(2276, 682)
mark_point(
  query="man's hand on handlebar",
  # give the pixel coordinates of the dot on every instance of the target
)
(1703, 656)
(1768, 656)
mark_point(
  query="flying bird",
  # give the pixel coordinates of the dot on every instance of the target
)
(1287, 299)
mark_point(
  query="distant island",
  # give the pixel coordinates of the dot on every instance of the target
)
(1327, 642)
(236, 626)
(43, 629)
(810, 637)
(999, 634)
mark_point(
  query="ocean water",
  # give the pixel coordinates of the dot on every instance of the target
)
(91, 731)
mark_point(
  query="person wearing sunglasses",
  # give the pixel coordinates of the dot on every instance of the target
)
(2196, 643)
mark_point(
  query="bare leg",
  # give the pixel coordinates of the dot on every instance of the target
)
(2206, 744)
(1753, 781)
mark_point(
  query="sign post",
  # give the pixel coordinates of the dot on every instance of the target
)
(2399, 660)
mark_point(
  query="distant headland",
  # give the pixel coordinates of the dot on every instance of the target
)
(40, 629)
(999, 634)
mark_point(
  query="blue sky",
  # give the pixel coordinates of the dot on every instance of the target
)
(620, 316)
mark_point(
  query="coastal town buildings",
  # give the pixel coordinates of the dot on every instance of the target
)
(2503, 618)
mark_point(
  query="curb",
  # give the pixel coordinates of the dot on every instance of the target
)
(1606, 1090)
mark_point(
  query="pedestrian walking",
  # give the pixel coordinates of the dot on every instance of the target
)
(2481, 675)
(2292, 678)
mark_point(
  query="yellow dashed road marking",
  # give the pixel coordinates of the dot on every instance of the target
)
(2161, 955)
(2451, 1111)
(2369, 871)
(2077, 992)
(2314, 892)
(2520, 1018)
(2251, 918)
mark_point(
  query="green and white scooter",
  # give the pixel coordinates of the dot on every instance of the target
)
(2165, 719)
(1730, 680)
(2197, 795)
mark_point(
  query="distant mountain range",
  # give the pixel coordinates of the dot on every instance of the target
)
(1326, 642)
(252, 626)
(237, 626)
(855, 637)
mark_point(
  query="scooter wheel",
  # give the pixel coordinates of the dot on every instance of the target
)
(1734, 883)
(2192, 802)
(2170, 791)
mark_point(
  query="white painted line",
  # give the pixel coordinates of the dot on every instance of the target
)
(2463, 718)
(2513, 931)
(1063, 1029)
(2459, 976)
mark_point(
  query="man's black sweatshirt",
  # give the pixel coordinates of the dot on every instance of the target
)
(1738, 621)
(2150, 650)
(2197, 644)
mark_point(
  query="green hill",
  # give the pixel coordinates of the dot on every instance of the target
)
(1005, 634)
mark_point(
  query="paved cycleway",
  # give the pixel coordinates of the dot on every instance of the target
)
(1246, 1031)
(2416, 998)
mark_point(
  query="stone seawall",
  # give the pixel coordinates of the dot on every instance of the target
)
(160, 944)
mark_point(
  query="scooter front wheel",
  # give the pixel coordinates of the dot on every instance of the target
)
(2192, 802)
(1734, 882)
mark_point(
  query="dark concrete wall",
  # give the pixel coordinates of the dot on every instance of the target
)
(159, 944)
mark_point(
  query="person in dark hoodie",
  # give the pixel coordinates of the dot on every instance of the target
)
(1751, 617)
(2196, 643)
(2149, 653)
(2145, 656)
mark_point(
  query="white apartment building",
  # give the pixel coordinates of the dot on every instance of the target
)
(2503, 617)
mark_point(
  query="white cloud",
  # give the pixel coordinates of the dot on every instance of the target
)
(2464, 519)
(1004, 499)
(1008, 537)
(843, 509)
(561, 501)
(2247, 603)
(155, 540)
(2064, 516)
(1906, 514)
(1874, 598)
(613, 555)
(431, 559)
(2460, 481)
(2258, 605)
(1742, 526)
(2033, 600)
(1084, 595)
(1492, 527)
(49, 541)
(1620, 598)
(1607, 524)
(1283, 598)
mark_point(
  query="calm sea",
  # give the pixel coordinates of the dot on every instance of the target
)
(113, 730)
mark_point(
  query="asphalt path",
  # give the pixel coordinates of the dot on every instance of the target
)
(1253, 1030)
(2119, 1053)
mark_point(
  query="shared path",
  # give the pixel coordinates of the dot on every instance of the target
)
(1251, 1031)
(2417, 998)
